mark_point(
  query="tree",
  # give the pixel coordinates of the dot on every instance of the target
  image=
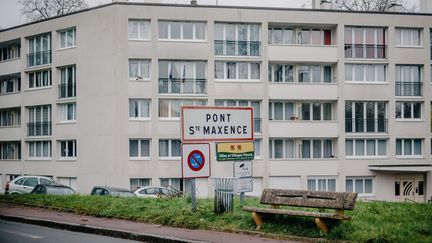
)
(368, 5)
(34, 10)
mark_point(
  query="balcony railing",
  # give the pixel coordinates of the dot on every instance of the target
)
(366, 125)
(39, 129)
(257, 125)
(237, 48)
(38, 58)
(365, 51)
(67, 90)
(409, 88)
(182, 86)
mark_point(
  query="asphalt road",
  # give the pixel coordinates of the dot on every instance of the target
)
(14, 232)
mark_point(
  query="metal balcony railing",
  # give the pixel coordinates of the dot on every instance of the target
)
(365, 51)
(237, 48)
(38, 58)
(409, 88)
(182, 86)
(366, 125)
(67, 90)
(39, 129)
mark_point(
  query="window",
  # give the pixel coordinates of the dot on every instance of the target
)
(176, 183)
(39, 121)
(68, 181)
(67, 38)
(361, 185)
(408, 110)
(169, 148)
(182, 77)
(408, 147)
(139, 108)
(170, 108)
(281, 36)
(225, 70)
(237, 39)
(316, 148)
(321, 184)
(299, 35)
(365, 72)
(279, 73)
(181, 30)
(316, 111)
(136, 183)
(408, 37)
(281, 111)
(68, 149)
(40, 79)
(138, 29)
(39, 49)
(255, 104)
(10, 150)
(281, 148)
(67, 112)
(314, 74)
(39, 150)
(365, 42)
(10, 117)
(314, 37)
(139, 69)
(257, 148)
(11, 51)
(367, 116)
(139, 148)
(67, 86)
(11, 84)
(409, 80)
(366, 147)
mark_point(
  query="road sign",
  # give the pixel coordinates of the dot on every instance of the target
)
(196, 160)
(234, 151)
(243, 184)
(204, 123)
(243, 169)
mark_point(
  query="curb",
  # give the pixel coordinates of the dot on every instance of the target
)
(129, 235)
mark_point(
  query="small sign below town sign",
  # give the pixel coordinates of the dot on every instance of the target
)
(235, 151)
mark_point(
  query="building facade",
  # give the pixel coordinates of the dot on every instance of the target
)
(341, 100)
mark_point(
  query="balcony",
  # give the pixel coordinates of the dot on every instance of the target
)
(237, 48)
(361, 125)
(182, 86)
(409, 89)
(302, 53)
(38, 58)
(303, 129)
(67, 91)
(39, 129)
(365, 51)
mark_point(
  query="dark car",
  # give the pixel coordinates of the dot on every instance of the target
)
(111, 191)
(54, 189)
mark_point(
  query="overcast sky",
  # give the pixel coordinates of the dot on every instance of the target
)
(10, 9)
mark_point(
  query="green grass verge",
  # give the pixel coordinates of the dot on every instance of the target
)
(372, 221)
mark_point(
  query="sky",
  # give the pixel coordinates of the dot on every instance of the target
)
(10, 9)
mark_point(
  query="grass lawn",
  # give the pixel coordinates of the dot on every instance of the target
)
(372, 221)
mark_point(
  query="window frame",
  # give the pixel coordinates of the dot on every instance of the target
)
(402, 111)
(66, 151)
(139, 76)
(326, 178)
(66, 31)
(237, 71)
(412, 155)
(140, 153)
(399, 31)
(34, 152)
(34, 79)
(170, 104)
(182, 39)
(365, 73)
(139, 102)
(170, 149)
(65, 111)
(272, 149)
(363, 178)
(365, 148)
(139, 34)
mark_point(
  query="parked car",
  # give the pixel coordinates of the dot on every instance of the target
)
(25, 184)
(53, 189)
(157, 191)
(111, 191)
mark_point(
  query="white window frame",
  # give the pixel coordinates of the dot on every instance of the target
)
(32, 42)
(402, 105)
(139, 104)
(271, 38)
(363, 42)
(16, 81)
(66, 151)
(139, 182)
(6, 147)
(35, 157)
(237, 79)
(141, 36)
(354, 178)
(66, 32)
(399, 32)
(311, 152)
(364, 104)
(317, 178)
(182, 74)
(41, 73)
(63, 112)
(350, 67)
(311, 115)
(412, 155)
(284, 66)
(140, 155)
(321, 80)
(139, 76)
(284, 115)
(258, 147)
(236, 37)
(194, 31)
(195, 102)
(170, 151)
(365, 155)
(284, 151)
(10, 117)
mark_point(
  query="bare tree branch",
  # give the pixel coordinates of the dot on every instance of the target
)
(34, 10)
(367, 5)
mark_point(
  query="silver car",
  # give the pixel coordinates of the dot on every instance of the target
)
(25, 184)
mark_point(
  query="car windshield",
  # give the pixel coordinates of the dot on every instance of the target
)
(59, 191)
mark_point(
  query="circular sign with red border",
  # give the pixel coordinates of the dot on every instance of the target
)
(196, 160)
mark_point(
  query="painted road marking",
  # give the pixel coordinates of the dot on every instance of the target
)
(22, 234)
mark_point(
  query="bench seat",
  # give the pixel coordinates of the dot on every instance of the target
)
(297, 213)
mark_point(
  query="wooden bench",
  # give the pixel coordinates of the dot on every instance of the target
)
(340, 201)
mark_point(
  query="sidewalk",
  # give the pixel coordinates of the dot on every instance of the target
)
(122, 228)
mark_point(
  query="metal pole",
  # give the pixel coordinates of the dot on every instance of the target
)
(242, 195)
(193, 195)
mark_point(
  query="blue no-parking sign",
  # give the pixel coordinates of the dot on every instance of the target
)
(196, 160)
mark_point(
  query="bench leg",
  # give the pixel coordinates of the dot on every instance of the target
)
(321, 225)
(258, 220)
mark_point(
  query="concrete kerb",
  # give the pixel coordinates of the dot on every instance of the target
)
(130, 235)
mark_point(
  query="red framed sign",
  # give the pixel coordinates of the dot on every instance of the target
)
(195, 160)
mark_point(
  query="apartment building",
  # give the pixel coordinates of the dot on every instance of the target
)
(341, 100)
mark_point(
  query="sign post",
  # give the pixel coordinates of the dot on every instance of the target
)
(243, 172)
